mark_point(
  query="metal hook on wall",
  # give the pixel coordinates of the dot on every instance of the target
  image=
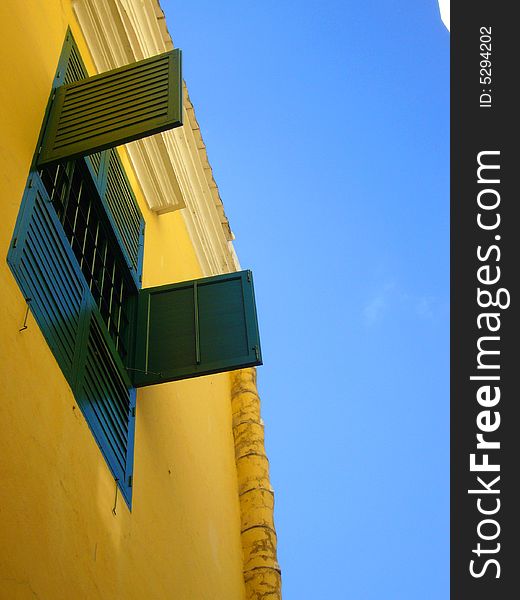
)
(115, 499)
(24, 326)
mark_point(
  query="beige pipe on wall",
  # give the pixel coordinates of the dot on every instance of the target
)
(261, 570)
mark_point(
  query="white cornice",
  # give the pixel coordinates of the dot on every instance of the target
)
(172, 167)
(444, 8)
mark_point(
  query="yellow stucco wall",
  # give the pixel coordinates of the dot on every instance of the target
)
(58, 536)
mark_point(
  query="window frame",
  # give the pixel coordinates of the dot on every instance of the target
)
(90, 318)
(223, 335)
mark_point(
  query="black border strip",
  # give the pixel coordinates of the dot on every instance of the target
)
(484, 124)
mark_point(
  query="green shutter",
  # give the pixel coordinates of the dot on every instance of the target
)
(114, 108)
(50, 279)
(44, 266)
(105, 397)
(123, 211)
(71, 67)
(196, 328)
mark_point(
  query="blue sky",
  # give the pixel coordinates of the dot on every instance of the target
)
(327, 126)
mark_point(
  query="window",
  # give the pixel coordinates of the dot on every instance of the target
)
(77, 254)
(85, 224)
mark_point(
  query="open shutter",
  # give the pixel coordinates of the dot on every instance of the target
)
(47, 271)
(44, 266)
(196, 328)
(124, 213)
(114, 108)
(105, 396)
(44, 261)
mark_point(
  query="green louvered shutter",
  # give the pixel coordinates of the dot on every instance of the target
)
(124, 213)
(114, 108)
(45, 268)
(196, 328)
(42, 257)
(107, 400)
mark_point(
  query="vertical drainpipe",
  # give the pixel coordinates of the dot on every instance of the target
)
(261, 570)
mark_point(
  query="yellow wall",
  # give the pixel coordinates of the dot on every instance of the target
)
(58, 536)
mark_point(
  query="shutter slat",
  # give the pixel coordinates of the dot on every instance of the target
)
(103, 431)
(102, 401)
(57, 314)
(100, 93)
(119, 77)
(98, 126)
(114, 108)
(43, 265)
(63, 280)
(123, 208)
(87, 115)
(75, 70)
(107, 392)
(105, 395)
(60, 341)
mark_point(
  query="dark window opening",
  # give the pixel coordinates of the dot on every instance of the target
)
(79, 210)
